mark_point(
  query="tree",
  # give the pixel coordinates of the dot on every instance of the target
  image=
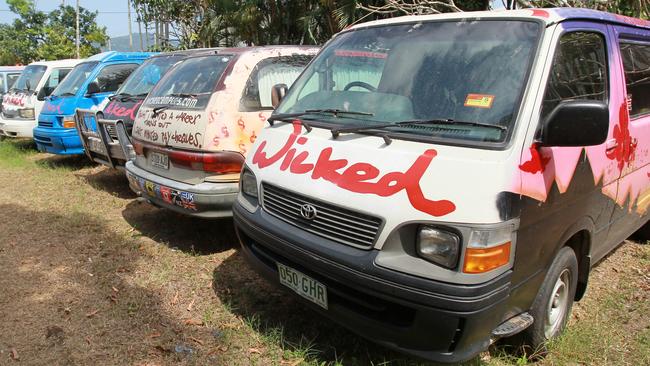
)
(37, 35)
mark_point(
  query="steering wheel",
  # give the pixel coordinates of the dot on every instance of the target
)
(360, 84)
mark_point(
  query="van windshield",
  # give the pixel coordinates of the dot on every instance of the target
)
(75, 79)
(469, 74)
(30, 77)
(145, 77)
(191, 83)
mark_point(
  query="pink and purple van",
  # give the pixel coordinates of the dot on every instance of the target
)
(438, 182)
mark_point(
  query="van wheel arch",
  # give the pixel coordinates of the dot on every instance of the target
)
(579, 237)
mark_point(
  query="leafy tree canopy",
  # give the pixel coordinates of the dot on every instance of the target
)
(36, 35)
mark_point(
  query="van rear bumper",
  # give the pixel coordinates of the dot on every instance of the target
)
(439, 321)
(17, 127)
(207, 200)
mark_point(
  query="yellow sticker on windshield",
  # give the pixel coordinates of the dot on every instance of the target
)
(479, 100)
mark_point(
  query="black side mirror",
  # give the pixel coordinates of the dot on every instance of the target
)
(576, 123)
(278, 92)
(28, 85)
(93, 88)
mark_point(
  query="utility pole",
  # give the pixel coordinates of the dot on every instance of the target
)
(128, 2)
(78, 29)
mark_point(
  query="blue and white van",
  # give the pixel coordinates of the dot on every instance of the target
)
(88, 84)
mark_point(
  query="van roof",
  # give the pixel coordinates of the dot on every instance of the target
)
(71, 62)
(119, 56)
(242, 50)
(549, 16)
(11, 68)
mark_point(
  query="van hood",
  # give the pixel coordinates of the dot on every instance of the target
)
(18, 100)
(400, 182)
(61, 106)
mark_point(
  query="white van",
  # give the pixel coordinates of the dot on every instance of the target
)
(437, 182)
(24, 101)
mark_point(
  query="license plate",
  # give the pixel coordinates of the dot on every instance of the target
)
(96, 145)
(159, 160)
(303, 285)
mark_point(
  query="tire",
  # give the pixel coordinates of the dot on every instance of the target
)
(552, 306)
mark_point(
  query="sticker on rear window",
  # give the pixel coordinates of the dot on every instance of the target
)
(479, 100)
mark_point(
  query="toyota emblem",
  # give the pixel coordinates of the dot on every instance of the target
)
(308, 211)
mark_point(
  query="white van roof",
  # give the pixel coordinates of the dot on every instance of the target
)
(549, 16)
(71, 62)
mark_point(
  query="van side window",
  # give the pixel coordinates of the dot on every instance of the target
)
(112, 76)
(579, 70)
(266, 74)
(55, 78)
(636, 64)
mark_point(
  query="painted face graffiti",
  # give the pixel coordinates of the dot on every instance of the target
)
(354, 177)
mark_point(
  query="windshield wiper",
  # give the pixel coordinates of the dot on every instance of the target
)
(283, 117)
(125, 97)
(158, 110)
(337, 131)
(182, 95)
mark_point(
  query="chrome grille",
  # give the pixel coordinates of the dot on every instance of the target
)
(110, 129)
(332, 222)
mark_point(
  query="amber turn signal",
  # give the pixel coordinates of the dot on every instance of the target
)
(480, 260)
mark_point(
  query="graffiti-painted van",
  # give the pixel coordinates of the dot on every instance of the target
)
(100, 130)
(437, 182)
(88, 84)
(24, 101)
(197, 124)
(8, 76)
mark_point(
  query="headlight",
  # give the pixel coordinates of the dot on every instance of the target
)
(248, 183)
(438, 246)
(488, 249)
(27, 113)
(68, 122)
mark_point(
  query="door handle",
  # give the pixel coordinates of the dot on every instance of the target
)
(611, 144)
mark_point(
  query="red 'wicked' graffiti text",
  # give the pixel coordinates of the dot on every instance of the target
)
(355, 177)
(114, 109)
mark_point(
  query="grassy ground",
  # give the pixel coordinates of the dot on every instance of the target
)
(88, 275)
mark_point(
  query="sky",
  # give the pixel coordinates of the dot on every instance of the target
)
(112, 13)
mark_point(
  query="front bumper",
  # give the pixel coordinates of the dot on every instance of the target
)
(208, 200)
(17, 127)
(434, 320)
(98, 144)
(58, 141)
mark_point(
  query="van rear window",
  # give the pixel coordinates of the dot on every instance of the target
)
(190, 84)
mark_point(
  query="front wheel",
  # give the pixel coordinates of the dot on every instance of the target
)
(554, 300)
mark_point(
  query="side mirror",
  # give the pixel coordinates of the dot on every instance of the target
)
(576, 123)
(278, 92)
(28, 85)
(93, 88)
